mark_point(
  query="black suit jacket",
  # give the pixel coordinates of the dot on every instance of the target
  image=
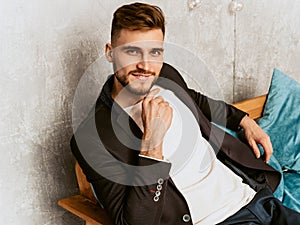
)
(136, 190)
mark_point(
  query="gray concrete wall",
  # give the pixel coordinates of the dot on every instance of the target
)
(267, 36)
(46, 47)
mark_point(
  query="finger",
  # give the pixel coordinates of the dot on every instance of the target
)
(163, 109)
(255, 148)
(268, 149)
(153, 92)
(167, 115)
(150, 96)
(152, 103)
(152, 106)
(164, 103)
(158, 100)
(268, 156)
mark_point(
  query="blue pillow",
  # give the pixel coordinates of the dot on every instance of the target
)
(291, 197)
(281, 120)
(279, 192)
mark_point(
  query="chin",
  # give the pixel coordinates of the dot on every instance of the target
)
(140, 91)
(140, 88)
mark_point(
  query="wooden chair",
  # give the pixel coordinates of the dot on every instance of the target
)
(85, 204)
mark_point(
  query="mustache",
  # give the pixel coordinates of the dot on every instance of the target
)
(141, 71)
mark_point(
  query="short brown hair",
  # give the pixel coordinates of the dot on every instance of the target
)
(137, 16)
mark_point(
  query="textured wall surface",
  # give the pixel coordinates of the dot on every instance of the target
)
(46, 47)
(267, 36)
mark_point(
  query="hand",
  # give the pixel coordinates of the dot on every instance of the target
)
(157, 117)
(255, 135)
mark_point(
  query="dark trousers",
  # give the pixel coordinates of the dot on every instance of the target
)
(264, 209)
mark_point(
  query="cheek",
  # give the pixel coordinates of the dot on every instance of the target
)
(123, 68)
(123, 61)
(157, 67)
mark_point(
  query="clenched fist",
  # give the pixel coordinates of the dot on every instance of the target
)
(157, 117)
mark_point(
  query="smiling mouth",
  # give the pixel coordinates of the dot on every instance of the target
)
(142, 76)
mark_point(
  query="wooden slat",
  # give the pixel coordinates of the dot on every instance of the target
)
(84, 185)
(84, 208)
(253, 106)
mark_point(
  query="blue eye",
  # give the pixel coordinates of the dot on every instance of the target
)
(156, 52)
(132, 52)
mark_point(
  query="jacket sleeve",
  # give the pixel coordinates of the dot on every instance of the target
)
(132, 193)
(218, 111)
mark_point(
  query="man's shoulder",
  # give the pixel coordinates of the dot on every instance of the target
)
(171, 73)
(100, 109)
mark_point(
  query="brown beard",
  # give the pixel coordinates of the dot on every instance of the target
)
(125, 82)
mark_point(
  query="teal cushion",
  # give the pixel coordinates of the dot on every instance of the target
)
(278, 193)
(291, 197)
(281, 120)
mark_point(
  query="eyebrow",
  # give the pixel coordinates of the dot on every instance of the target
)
(158, 49)
(138, 48)
(130, 47)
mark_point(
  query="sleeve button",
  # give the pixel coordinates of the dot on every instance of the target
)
(186, 218)
(160, 181)
(156, 198)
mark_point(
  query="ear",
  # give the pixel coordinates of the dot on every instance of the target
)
(108, 52)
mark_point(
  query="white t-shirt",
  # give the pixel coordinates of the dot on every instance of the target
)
(212, 191)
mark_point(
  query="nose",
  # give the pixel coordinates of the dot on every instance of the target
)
(144, 63)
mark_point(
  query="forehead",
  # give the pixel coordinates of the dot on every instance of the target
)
(141, 38)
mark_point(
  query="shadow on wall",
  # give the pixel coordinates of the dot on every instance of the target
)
(56, 162)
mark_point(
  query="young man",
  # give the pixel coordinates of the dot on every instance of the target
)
(148, 149)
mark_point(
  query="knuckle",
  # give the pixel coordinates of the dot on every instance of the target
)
(144, 104)
(146, 100)
(153, 101)
(266, 136)
(266, 139)
(166, 104)
(158, 98)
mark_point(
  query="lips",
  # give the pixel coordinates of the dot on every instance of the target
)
(142, 76)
